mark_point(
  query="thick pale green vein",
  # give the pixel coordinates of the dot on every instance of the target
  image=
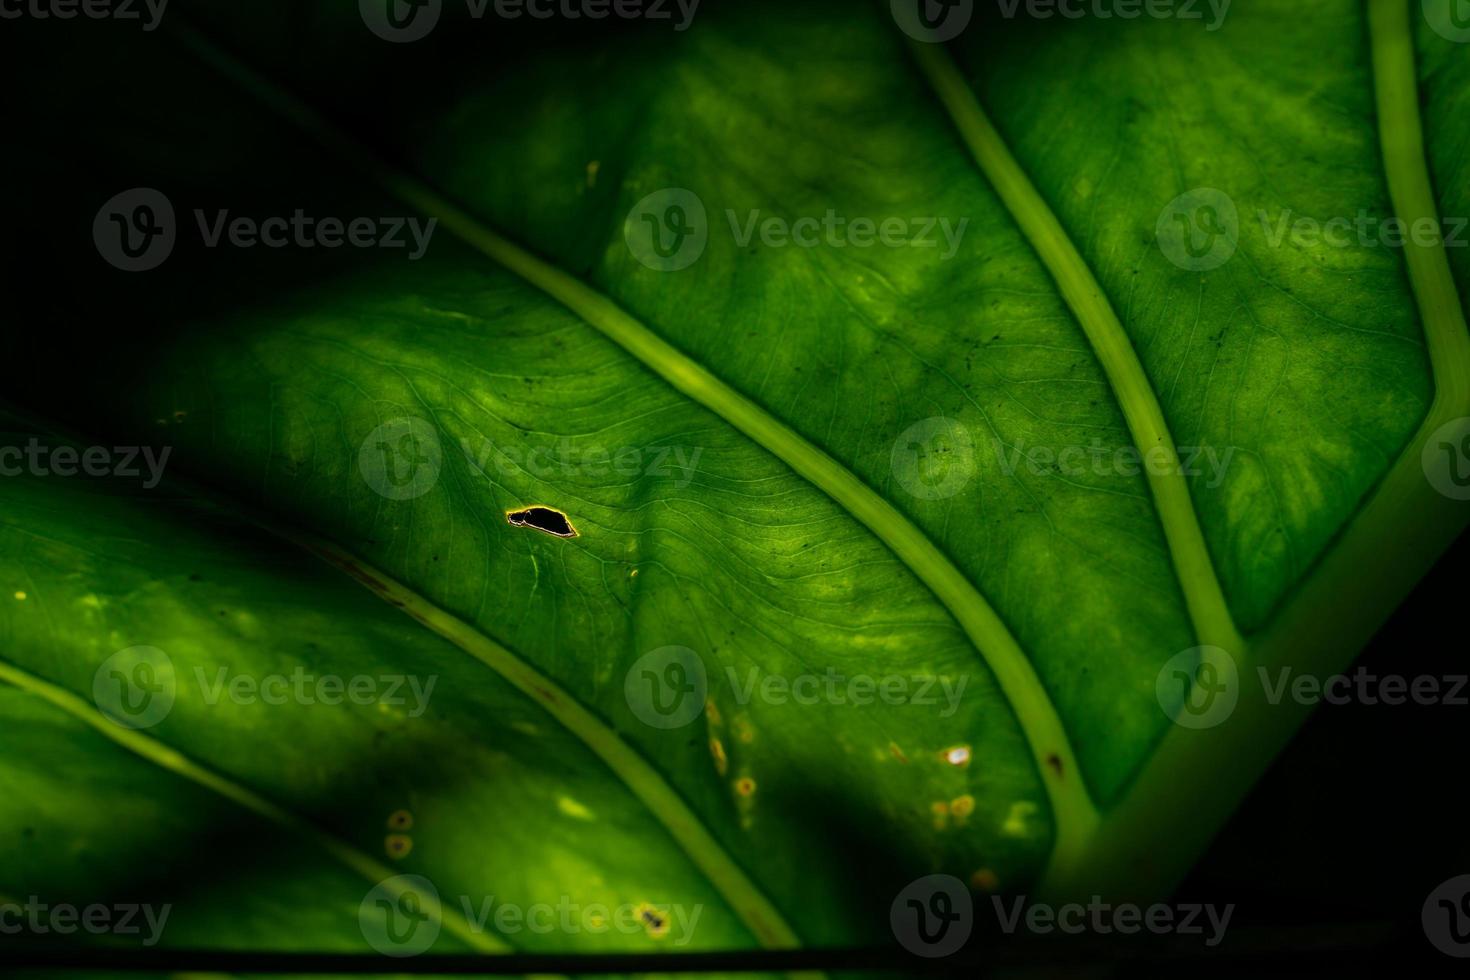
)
(754, 909)
(159, 754)
(1143, 848)
(1073, 809)
(1402, 137)
(1208, 610)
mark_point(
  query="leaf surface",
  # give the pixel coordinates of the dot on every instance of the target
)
(825, 462)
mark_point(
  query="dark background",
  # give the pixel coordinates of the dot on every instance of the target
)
(1333, 853)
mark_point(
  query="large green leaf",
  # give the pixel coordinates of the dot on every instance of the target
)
(790, 461)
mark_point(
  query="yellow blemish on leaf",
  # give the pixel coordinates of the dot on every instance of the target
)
(655, 923)
(572, 808)
(962, 806)
(957, 756)
(745, 786)
(712, 712)
(940, 809)
(398, 845)
(21, 596)
(1018, 820)
(897, 752)
(984, 880)
(400, 820)
(717, 749)
(592, 167)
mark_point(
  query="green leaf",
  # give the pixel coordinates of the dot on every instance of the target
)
(580, 465)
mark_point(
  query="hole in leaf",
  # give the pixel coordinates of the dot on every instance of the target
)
(548, 520)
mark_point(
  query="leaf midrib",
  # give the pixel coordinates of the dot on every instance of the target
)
(1074, 813)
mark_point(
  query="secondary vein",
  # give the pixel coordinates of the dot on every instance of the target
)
(1074, 813)
(754, 909)
(166, 757)
(1203, 595)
